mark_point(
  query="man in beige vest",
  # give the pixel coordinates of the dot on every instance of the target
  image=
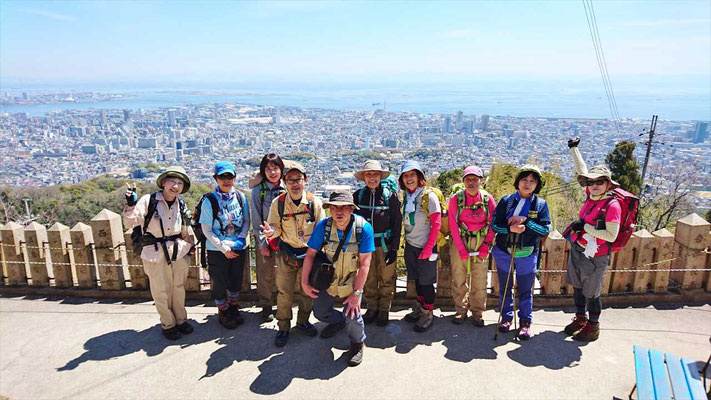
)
(166, 245)
(347, 241)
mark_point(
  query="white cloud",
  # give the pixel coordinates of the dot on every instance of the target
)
(50, 15)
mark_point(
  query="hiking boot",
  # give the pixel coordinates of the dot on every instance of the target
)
(459, 318)
(235, 314)
(578, 323)
(171, 333)
(425, 321)
(281, 338)
(414, 315)
(355, 354)
(504, 326)
(369, 316)
(224, 317)
(524, 332)
(589, 333)
(477, 321)
(331, 329)
(383, 318)
(267, 314)
(307, 328)
(185, 328)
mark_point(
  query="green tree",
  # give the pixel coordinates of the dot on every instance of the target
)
(447, 179)
(708, 215)
(624, 166)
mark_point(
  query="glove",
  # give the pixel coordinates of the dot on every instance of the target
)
(483, 251)
(239, 244)
(578, 225)
(391, 257)
(131, 197)
(573, 142)
(425, 254)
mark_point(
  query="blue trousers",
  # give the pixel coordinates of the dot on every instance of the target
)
(525, 269)
(324, 312)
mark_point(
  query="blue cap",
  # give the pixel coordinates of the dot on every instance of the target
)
(411, 165)
(224, 167)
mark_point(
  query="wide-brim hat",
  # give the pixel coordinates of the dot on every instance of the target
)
(371, 165)
(598, 171)
(340, 198)
(410, 165)
(175, 172)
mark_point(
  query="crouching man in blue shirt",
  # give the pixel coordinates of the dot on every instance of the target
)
(350, 270)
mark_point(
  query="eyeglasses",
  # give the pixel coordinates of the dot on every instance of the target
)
(293, 181)
(598, 182)
(225, 177)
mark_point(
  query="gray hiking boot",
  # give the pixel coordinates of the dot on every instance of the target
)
(414, 316)
(425, 321)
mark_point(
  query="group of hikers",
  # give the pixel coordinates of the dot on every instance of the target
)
(307, 258)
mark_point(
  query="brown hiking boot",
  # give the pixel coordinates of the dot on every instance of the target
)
(369, 316)
(578, 323)
(235, 314)
(459, 318)
(425, 321)
(355, 354)
(477, 321)
(414, 316)
(589, 333)
(224, 317)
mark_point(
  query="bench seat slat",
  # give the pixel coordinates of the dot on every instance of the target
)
(643, 373)
(693, 379)
(678, 380)
(662, 389)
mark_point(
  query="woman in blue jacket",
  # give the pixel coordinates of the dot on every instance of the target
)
(521, 219)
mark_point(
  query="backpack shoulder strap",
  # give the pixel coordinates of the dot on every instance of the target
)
(312, 212)
(152, 208)
(485, 203)
(215, 205)
(280, 205)
(327, 230)
(359, 224)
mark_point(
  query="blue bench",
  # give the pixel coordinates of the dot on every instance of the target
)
(665, 376)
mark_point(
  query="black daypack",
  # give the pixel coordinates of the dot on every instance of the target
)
(197, 227)
(139, 238)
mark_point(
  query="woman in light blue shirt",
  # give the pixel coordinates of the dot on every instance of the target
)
(226, 232)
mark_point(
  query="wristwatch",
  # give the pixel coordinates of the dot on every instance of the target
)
(358, 293)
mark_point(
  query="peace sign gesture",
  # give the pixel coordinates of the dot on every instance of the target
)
(131, 194)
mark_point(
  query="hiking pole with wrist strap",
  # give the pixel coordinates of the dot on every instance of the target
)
(512, 238)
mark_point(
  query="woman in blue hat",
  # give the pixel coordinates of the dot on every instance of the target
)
(521, 219)
(226, 232)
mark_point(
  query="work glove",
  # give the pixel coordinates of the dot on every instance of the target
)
(391, 257)
(239, 244)
(131, 197)
(573, 142)
(578, 225)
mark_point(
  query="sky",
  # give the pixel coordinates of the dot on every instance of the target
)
(141, 41)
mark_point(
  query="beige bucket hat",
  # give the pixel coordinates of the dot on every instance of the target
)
(372, 165)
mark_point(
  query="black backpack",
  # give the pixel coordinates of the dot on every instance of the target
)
(197, 227)
(137, 235)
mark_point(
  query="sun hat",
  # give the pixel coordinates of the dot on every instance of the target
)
(595, 172)
(174, 171)
(371, 165)
(340, 198)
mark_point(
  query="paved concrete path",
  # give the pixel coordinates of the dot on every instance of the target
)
(73, 348)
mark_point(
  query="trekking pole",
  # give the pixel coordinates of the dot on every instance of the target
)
(513, 294)
(506, 288)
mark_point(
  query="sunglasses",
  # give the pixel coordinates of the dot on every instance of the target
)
(225, 177)
(598, 182)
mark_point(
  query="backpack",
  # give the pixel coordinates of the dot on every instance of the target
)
(139, 231)
(461, 201)
(197, 226)
(359, 224)
(629, 206)
(281, 200)
(389, 185)
(444, 228)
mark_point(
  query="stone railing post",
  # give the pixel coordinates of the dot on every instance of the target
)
(690, 240)
(444, 271)
(247, 269)
(645, 252)
(13, 238)
(108, 235)
(36, 240)
(554, 258)
(494, 275)
(84, 255)
(664, 246)
(192, 283)
(139, 279)
(624, 263)
(3, 269)
(59, 240)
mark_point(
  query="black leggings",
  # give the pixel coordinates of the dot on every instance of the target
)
(427, 292)
(594, 305)
(226, 273)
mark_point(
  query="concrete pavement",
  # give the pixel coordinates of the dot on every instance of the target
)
(80, 348)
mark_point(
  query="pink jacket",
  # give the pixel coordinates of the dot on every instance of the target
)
(473, 220)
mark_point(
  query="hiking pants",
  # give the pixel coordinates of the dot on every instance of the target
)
(524, 284)
(288, 278)
(324, 312)
(266, 278)
(380, 285)
(167, 282)
(468, 290)
(226, 273)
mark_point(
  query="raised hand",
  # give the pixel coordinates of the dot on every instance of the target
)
(267, 230)
(573, 142)
(131, 194)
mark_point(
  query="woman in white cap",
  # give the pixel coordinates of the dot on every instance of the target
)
(163, 220)
(422, 216)
(591, 235)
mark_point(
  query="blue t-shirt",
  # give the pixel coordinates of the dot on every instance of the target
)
(235, 219)
(367, 244)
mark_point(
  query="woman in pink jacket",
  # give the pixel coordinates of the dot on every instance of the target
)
(471, 211)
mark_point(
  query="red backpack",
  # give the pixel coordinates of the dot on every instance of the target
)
(629, 205)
